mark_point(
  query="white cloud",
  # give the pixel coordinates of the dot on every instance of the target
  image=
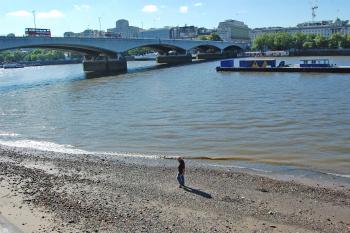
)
(198, 4)
(82, 7)
(150, 8)
(183, 9)
(20, 13)
(52, 14)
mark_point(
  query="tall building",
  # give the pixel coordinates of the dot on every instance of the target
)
(233, 30)
(325, 28)
(123, 29)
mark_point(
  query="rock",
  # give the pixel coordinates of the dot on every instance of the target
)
(263, 190)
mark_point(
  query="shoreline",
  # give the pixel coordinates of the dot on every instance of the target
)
(99, 194)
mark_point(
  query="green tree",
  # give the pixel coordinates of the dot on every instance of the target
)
(282, 41)
(214, 37)
(345, 43)
(298, 40)
(264, 42)
(335, 41)
(203, 37)
(259, 43)
(321, 42)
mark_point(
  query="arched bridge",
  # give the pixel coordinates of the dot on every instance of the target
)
(112, 45)
(113, 49)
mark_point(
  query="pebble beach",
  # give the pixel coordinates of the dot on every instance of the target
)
(56, 192)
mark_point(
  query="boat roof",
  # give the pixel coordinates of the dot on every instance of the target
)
(315, 59)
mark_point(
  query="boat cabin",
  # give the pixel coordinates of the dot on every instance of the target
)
(315, 63)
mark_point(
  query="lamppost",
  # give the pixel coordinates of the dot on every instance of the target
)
(99, 22)
(34, 19)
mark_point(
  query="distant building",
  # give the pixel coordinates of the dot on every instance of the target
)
(205, 31)
(186, 32)
(155, 33)
(234, 31)
(123, 29)
(88, 33)
(325, 28)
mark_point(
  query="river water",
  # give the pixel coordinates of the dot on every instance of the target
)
(261, 120)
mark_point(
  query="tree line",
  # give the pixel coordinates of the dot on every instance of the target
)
(299, 41)
(34, 55)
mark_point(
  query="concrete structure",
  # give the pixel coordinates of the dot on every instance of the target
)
(234, 31)
(106, 54)
(325, 28)
(155, 33)
(123, 29)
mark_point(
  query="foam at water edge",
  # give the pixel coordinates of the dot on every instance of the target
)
(68, 149)
(339, 175)
(43, 146)
(239, 167)
(8, 134)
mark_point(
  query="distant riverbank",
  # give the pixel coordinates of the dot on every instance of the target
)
(320, 52)
(46, 63)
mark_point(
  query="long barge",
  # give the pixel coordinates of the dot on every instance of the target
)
(338, 69)
(269, 65)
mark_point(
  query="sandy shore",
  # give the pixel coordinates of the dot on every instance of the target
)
(52, 192)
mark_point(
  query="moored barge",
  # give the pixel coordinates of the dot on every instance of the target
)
(269, 65)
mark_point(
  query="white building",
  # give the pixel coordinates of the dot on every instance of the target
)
(124, 30)
(325, 28)
(233, 30)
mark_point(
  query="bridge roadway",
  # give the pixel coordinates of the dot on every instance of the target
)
(112, 49)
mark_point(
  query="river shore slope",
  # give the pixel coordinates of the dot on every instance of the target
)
(56, 192)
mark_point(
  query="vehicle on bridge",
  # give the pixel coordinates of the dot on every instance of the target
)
(37, 32)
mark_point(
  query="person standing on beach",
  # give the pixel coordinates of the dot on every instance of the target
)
(181, 174)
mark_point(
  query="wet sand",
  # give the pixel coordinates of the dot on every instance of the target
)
(53, 192)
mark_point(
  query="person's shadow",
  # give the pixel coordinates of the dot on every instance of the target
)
(197, 192)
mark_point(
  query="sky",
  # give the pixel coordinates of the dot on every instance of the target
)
(77, 15)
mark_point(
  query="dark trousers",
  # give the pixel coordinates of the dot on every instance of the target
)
(181, 179)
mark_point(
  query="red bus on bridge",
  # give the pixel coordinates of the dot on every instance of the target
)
(37, 32)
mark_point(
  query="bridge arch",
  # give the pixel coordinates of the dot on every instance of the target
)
(161, 48)
(84, 50)
(233, 48)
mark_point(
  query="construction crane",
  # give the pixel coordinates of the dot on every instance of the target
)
(314, 6)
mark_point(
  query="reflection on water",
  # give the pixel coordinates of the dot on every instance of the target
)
(282, 119)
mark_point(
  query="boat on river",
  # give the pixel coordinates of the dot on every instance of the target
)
(269, 65)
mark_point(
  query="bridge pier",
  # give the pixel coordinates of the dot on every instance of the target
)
(105, 65)
(174, 59)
